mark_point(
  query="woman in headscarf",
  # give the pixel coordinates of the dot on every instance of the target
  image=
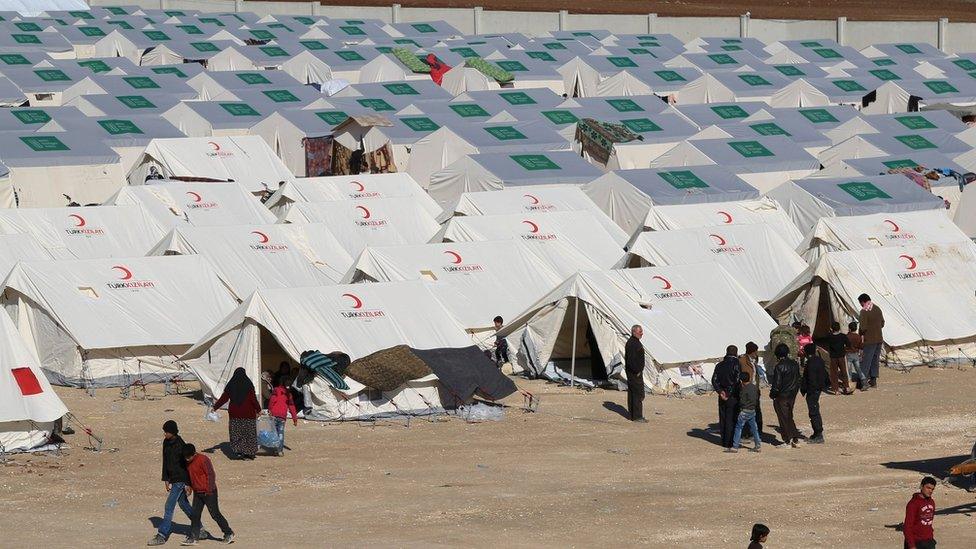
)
(243, 412)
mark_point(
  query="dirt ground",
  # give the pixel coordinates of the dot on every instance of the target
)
(574, 474)
(865, 10)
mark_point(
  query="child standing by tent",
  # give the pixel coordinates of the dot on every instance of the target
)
(203, 485)
(279, 406)
(855, 342)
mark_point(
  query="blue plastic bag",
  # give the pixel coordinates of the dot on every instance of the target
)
(267, 434)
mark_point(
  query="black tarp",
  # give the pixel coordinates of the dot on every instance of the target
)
(467, 371)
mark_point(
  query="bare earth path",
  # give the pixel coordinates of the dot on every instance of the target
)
(576, 474)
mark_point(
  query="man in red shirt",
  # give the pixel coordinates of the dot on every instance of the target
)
(203, 484)
(919, 514)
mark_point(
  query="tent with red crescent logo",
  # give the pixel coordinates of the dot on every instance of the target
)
(251, 257)
(755, 255)
(246, 159)
(115, 322)
(810, 199)
(350, 187)
(742, 212)
(28, 405)
(357, 319)
(685, 310)
(927, 294)
(176, 204)
(920, 228)
(85, 233)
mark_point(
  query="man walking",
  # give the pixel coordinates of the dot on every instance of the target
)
(919, 515)
(814, 382)
(725, 382)
(203, 484)
(175, 478)
(749, 363)
(784, 385)
(871, 322)
(634, 366)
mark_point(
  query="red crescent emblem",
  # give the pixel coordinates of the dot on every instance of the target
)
(356, 302)
(366, 214)
(894, 226)
(667, 285)
(727, 216)
(532, 198)
(457, 257)
(359, 186)
(534, 229)
(262, 238)
(215, 146)
(911, 262)
(126, 273)
(80, 220)
(719, 239)
(195, 196)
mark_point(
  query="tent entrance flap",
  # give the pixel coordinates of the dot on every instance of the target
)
(589, 362)
(272, 355)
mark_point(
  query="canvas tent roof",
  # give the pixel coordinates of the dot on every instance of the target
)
(678, 306)
(10, 94)
(807, 200)
(720, 113)
(580, 231)
(128, 105)
(251, 257)
(927, 294)
(350, 187)
(246, 159)
(755, 255)
(761, 211)
(197, 204)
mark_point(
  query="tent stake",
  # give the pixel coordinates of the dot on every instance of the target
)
(572, 362)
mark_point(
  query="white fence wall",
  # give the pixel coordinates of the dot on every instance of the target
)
(958, 37)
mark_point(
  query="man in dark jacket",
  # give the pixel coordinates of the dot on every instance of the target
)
(176, 479)
(725, 382)
(784, 385)
(815, 380)
(634, 366)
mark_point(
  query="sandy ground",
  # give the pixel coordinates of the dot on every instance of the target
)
(864, 10)
(574, 474)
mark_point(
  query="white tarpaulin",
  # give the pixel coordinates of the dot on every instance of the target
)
(197, 204)
(763, 211)
(28, 404)
(350, 187)
(111, 322)
(246, 159)
(926, 293)
(252, 257)
(755, 255)
(689, 313)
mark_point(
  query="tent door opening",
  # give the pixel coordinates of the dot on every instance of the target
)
(589, 361)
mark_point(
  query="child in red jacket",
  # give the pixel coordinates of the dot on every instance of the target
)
(279, 406)
(203, 485)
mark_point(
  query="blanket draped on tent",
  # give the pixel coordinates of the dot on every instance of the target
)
(329, 367)
(318, 156)
(490, 70)
(597, 138)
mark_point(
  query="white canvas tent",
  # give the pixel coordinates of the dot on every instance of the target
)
(577, 230)
(350, 187)
(741, 212)
(927, 295)
(28, 405)
(808, 200)
(919, 228)
(474, 280)
(755, 255)
(246, 159)
(85, 233)
(628, 195)
(253, 257)
(275, 325)
(18, 247)
(114, 322)
(685, 311)
(197, 204)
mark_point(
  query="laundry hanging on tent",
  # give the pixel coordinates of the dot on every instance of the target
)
(598, 138)
(437, 68)
(318, 155)
(329, 367)
(490, 70)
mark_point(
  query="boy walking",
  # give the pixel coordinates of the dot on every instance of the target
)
(837, 344)
(748, 403)
(203, 484)
(855, 342)
(176, 480)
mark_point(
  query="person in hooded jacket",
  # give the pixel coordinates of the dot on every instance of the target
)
(279, 406)
(784, 384)
(243, 411)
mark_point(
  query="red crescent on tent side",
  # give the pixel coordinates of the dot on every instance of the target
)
(894, 226)
(81, 220)
(213, 144)
(911, 262)
(195, 196)
(357, 303)
(262, 238)
(532, 198)
(719, 239)
(667, 284)
(534, 229)
(359, 186)
(728, 217)
(366, 214)
(457, 257)
(126, 273)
